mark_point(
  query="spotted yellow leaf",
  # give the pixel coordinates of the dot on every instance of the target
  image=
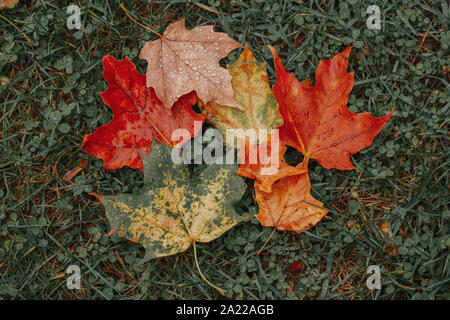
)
(174, 209)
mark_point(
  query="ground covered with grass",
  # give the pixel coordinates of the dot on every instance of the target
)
(391, 212)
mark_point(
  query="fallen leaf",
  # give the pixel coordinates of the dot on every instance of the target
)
(295, 266)
(317, 121)
(265, 170)
(83, 163)
(8, 4)
(252, 92)
(184, 60)
(290, 205)
(4, 80)
(174, 209)
(138, 117)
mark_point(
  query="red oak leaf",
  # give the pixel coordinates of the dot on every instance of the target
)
(138, 117)
(317, 121)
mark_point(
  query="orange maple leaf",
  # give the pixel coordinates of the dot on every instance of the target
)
(317, 121)
(8, 4)
(183, 60)
(138, 117)
(290, 205)
(265, 170)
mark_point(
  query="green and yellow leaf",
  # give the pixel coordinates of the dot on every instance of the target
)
(174, 209)
(253, 94)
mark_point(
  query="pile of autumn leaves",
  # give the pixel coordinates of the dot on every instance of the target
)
(183, 69)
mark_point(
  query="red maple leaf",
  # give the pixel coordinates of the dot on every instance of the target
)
(317, 121)
(138, 118)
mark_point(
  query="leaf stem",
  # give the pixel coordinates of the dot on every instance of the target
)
(222, 292)
(267, 241)
(138, 23)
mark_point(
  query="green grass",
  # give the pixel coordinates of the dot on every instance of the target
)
(49, 94)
